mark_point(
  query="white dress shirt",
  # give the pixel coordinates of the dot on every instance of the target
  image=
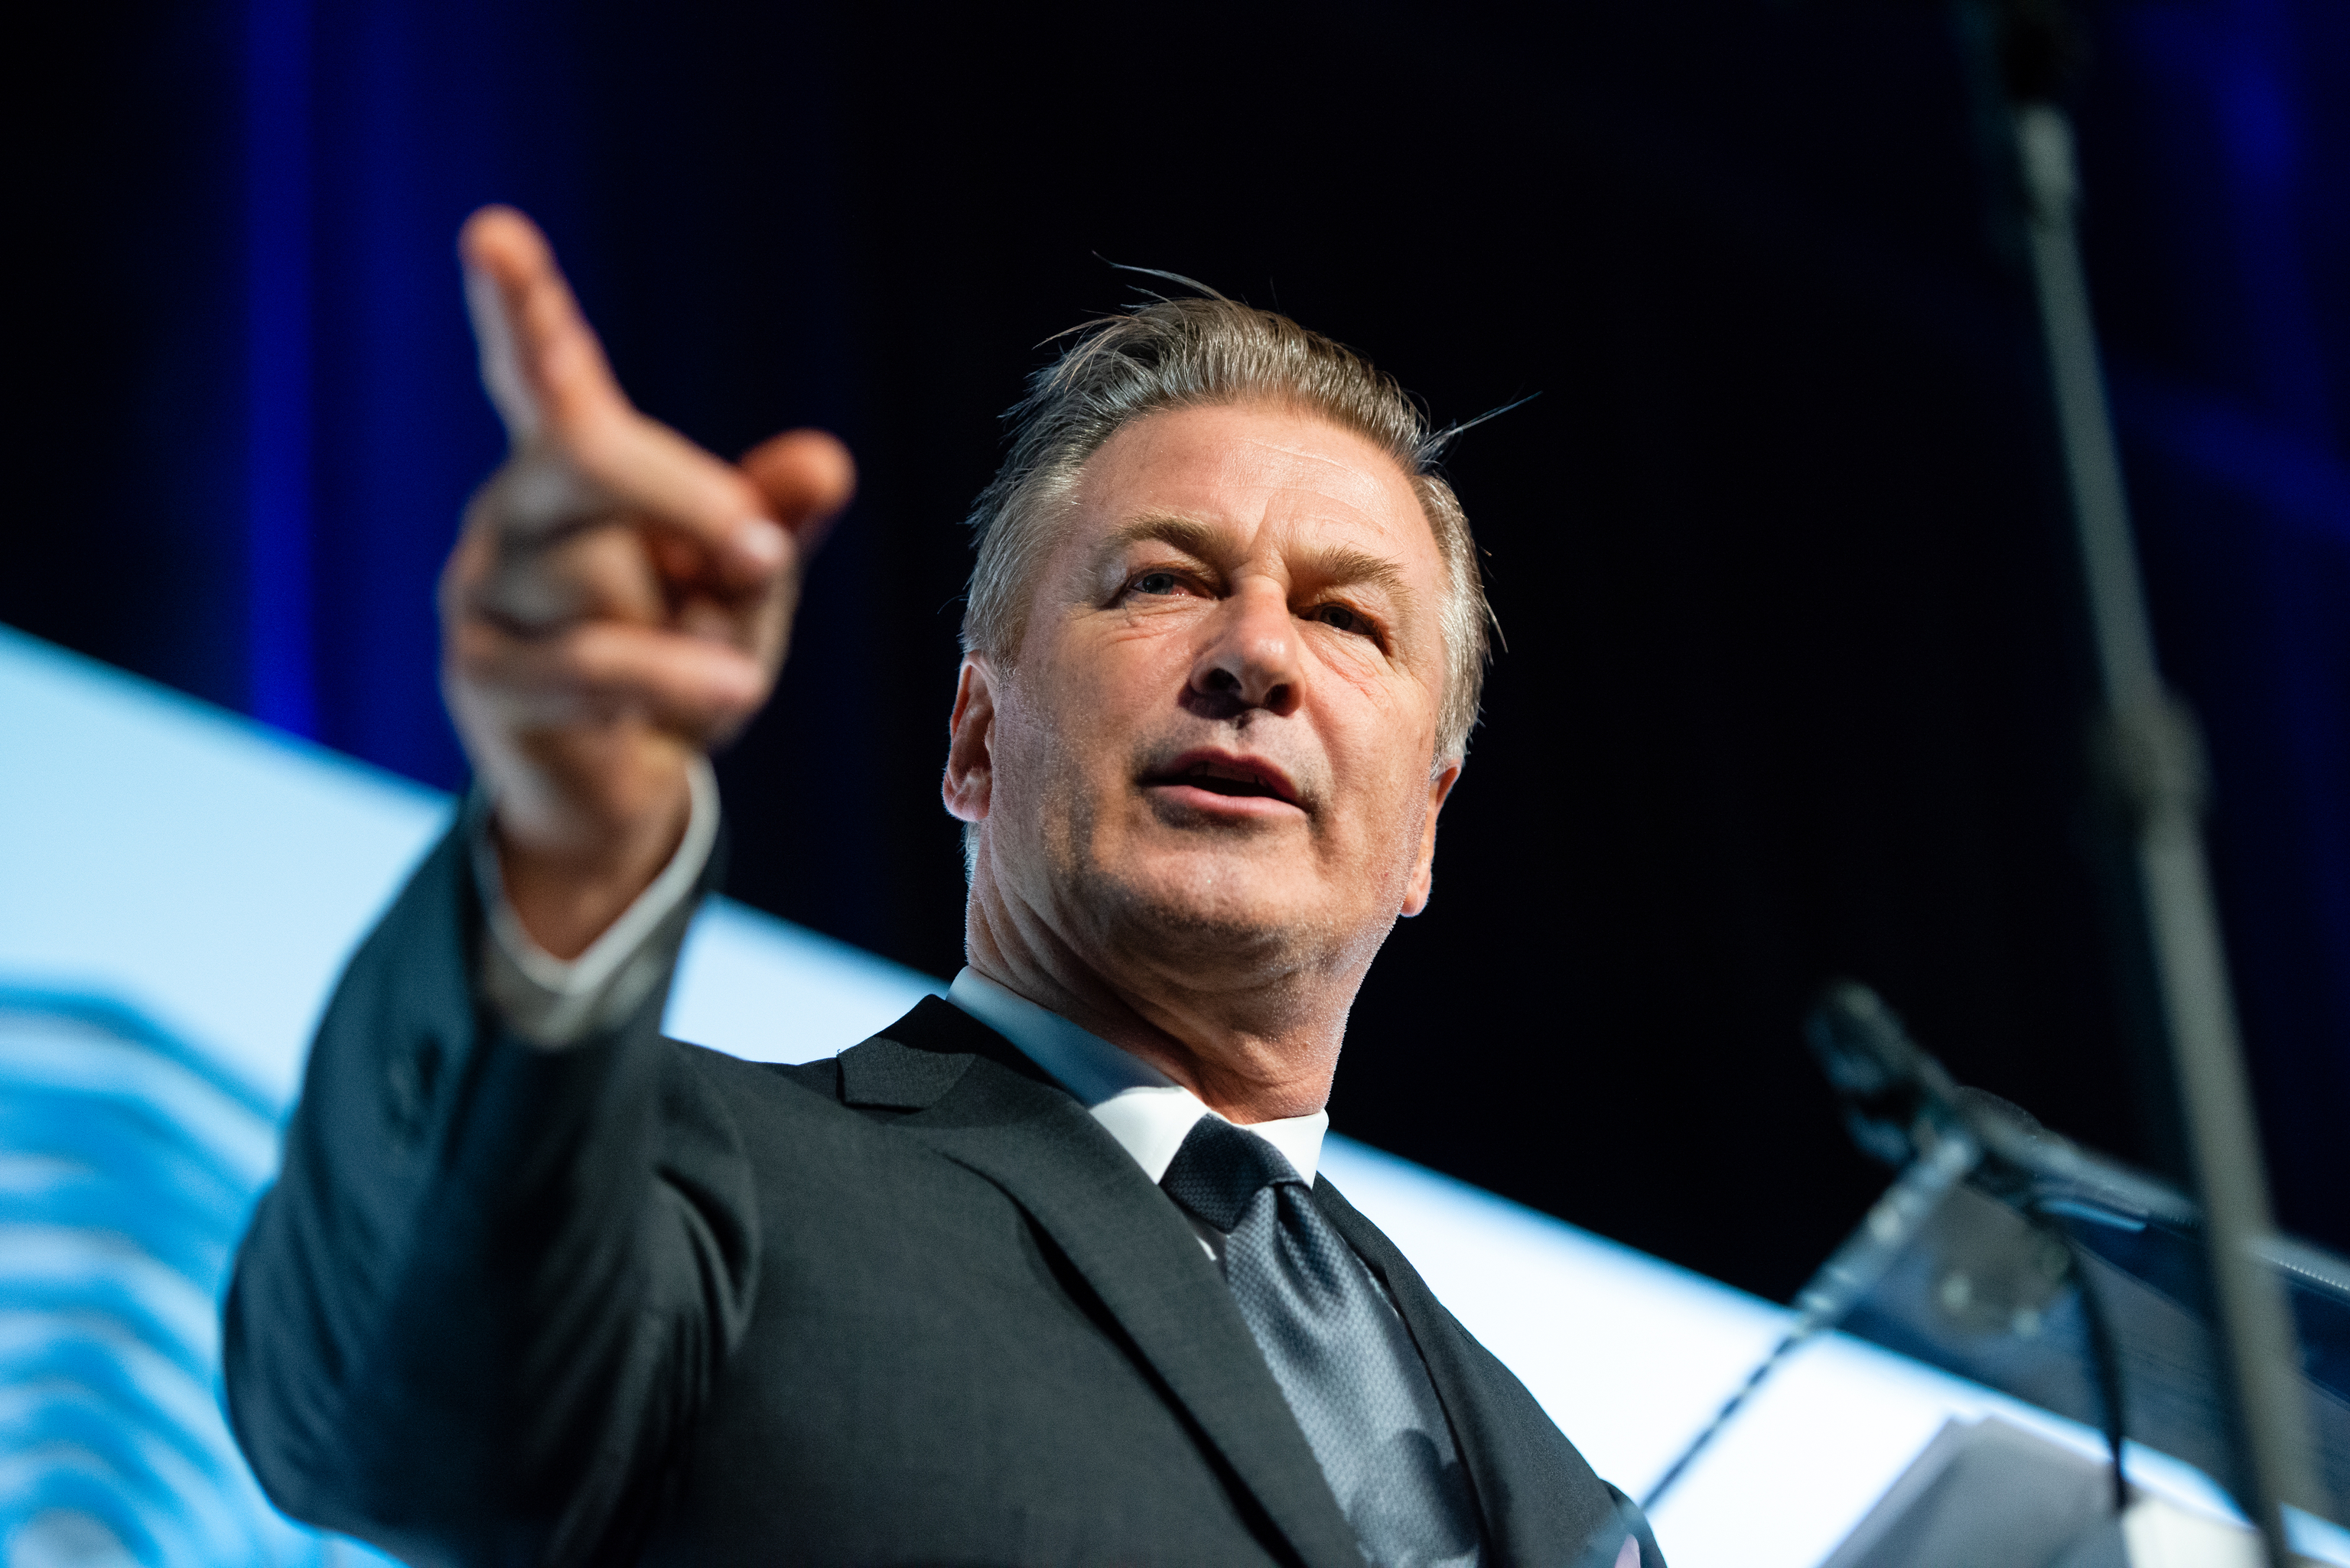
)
(1134, 1102)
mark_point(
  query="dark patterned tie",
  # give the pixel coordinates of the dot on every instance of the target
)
(1342, 1356)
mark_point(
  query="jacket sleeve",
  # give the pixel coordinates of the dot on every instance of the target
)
(493, 1284)
(1637, 1533)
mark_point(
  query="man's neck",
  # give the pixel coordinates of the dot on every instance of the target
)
(1249, 1057)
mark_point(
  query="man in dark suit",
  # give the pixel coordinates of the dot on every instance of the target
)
(1043, 1271)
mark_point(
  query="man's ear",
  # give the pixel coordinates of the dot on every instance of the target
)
(1423, 872)
(971, 734)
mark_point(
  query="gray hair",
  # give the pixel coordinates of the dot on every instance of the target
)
(1210, 352)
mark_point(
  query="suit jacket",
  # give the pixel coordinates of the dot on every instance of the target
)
(639, 1301)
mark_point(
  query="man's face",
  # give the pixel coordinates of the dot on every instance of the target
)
(1212, 757)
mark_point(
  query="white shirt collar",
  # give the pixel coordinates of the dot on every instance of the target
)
(1134, 1102)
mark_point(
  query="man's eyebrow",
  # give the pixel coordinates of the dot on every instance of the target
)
(1327, 565)
(1343, 565)
(1187, 535)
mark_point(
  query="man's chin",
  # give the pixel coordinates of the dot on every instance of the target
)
(1212, 905)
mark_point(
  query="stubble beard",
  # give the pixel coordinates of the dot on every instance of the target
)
(1204, 921)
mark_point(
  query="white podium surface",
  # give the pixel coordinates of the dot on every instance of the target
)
(215, 875)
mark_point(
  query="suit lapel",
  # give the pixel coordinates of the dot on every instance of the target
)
(1539, 1500)
(1003, 1119)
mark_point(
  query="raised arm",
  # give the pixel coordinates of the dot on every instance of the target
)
(492, 1286)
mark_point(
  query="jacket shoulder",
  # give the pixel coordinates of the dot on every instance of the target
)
(907, 1066)
(821, 1077)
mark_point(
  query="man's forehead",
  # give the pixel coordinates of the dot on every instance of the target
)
(1213, 479)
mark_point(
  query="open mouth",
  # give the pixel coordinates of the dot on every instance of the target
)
(1235, 778)
(1217, 784)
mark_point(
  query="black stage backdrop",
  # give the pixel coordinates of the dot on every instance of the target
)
(1795, 677)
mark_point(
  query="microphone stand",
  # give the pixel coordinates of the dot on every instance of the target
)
(2157, 758)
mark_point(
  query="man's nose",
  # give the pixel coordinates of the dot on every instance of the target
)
(1251, 659)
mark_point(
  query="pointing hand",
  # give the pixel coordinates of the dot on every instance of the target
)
(619, 601)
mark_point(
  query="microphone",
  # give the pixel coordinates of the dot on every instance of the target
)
(1898, 1100)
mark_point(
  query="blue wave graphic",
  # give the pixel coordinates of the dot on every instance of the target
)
(128, 1163)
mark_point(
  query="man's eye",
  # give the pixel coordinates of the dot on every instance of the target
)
(1340, 616)
(1158, 583)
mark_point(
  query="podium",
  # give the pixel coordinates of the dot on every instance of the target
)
(1987, 1491)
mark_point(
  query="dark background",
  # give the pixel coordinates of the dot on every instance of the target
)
(1796, 676)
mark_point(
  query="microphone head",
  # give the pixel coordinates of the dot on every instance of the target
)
(1886, 1085)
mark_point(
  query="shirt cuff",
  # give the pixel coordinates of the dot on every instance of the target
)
(553, 1003)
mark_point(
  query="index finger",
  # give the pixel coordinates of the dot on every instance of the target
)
(540, 359)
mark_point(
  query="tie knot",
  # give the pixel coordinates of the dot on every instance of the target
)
(1220, 1169)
